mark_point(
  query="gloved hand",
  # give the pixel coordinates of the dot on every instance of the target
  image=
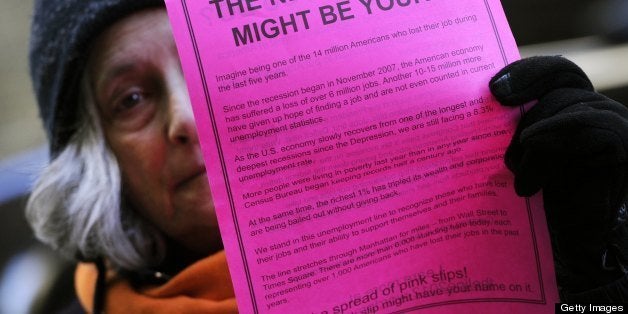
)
(572, 144)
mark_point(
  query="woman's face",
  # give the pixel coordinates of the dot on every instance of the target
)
(147, 119)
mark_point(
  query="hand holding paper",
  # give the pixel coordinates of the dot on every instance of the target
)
(572, 144)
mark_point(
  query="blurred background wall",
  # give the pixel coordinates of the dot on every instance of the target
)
(26, 268)
(594, 34)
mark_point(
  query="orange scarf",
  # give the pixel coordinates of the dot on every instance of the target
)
(203, 287)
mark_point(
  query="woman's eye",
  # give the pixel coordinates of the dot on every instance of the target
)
(133, 108)
(130, 100)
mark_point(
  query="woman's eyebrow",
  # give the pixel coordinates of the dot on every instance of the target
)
(116, 71)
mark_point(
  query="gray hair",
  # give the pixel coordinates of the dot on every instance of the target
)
(77, 207)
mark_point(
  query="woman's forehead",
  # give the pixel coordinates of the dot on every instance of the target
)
(138, 38)
(139, 35)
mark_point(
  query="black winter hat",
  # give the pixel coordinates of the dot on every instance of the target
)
(61, 34)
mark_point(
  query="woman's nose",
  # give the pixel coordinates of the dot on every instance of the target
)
(181, 126)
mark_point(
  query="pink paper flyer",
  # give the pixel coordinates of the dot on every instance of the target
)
(355, 155)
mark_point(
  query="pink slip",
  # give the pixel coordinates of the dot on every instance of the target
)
(355, 155)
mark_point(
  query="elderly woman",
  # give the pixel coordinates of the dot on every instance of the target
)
(126, 190)
(126, 184)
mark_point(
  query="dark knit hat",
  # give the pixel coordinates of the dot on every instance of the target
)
(61, 34)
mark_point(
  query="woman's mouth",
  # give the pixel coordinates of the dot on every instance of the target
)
(190, 179)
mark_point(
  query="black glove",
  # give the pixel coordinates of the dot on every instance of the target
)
(572, 144)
